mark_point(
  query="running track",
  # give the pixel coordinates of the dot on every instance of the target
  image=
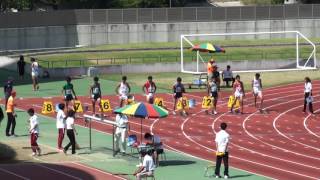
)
(65, 171)
(281, 144)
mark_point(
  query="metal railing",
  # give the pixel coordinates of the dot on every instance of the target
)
(159, 59)
(158, 15)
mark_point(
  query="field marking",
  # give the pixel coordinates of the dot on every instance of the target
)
(275, 146)
(58, 171)
(279, 132)
(14, 174)
(199, 158)
(306, 126)
(254, 162)
(98, 170)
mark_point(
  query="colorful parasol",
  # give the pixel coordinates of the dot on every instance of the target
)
(208, 47)
(143, 110)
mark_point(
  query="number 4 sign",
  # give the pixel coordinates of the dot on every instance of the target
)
(47, 107)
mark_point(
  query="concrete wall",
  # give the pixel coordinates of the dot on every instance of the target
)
(70, 36)
(169, 67)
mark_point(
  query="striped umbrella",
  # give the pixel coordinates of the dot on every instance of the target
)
(143, 110)
(208, 47)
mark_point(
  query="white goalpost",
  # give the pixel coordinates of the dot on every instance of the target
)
(197, 65)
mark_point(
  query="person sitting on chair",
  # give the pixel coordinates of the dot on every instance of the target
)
(155, 141)
(227, 76)
(147, 168)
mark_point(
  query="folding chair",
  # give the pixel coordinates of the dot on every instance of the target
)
(133, 142)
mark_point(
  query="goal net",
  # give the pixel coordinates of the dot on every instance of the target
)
(249, 52)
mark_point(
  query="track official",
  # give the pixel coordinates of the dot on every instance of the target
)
(222, 141)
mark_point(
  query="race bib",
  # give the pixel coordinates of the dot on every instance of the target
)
(68, 91)
(96, 90)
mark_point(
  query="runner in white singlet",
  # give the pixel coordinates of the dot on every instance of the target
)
(257, 90)
(123, 90)
(239, 93)
(34, 74)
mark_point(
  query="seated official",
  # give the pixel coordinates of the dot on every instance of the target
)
(227, 76)
(147, 168)
(155, 142)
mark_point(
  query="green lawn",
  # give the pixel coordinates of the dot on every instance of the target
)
(178, 166)
(173, 55)
(164, 81)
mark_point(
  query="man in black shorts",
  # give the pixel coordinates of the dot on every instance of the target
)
(155, 142)
(216, 74)
(178, 90)
(213, 89)
(8, 87)
(95, 94)
(68, 93)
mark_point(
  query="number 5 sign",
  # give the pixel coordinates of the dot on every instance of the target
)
(47, 107)
(105, 104)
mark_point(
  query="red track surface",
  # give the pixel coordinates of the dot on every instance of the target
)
(64, 171)
(282, 144)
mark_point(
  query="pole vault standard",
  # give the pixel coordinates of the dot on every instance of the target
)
(89, 118)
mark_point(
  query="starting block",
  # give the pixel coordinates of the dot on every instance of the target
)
(47, 107)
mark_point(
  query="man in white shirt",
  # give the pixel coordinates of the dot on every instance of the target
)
(308, 95)
(227, 76)
(61, 125)
(34, 131)
(147, 168)
(222, 141)
(155, 142)
(121, 133)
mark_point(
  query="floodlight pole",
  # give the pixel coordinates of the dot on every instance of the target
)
(170, 3)
(90, 137)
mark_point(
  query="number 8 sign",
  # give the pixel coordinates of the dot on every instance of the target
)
(47, 107)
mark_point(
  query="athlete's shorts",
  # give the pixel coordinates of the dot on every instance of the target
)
(214, 95)
(123, 97)
(34, 74)
(178, 95)
(150, 95)
(68, 97)
(96, 96)
(238, 94)
(257, 91)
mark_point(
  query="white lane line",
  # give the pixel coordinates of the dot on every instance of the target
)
(14, 174)
(98, 170)
(271, 145)
(279, 132)
(59, 172)
(196, 157)
(306, 126)
(254, 162)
